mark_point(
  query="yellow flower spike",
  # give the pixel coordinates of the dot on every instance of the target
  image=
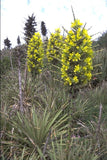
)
(77, 55)
(55, 45)
(35, 48)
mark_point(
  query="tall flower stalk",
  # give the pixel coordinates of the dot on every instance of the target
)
(35, 54)
(54, 48)
(77, 55)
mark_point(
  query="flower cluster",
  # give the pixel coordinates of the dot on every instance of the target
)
(35, 54)
(77, 55)
(54, 47)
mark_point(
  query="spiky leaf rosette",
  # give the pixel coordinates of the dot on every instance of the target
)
(35, 54)
(77, 55)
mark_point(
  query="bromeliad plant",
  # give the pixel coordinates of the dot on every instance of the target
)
(33, 129)
(77, 55)
(35, 54)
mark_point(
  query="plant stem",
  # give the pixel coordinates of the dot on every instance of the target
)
(11, 60)
(20, 83)
(25, 77)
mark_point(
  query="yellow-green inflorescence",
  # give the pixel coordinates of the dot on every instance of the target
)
(35, 54)
(77, 55)
(54, 47)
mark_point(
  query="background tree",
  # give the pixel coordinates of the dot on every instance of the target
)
(7, 43)
(30, 28)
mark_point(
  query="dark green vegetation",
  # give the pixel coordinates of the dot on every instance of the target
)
(58, 123)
